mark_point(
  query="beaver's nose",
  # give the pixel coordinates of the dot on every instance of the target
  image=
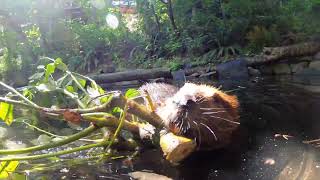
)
(186, 105)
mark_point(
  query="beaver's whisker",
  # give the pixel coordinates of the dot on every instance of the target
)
(199, 100)
(213, 112)
(228, 120)
(215, 137)
(211, 108)
(198, 132)
(181, 126)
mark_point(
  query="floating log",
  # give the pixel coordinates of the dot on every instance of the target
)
(139, 74)
(272, 54)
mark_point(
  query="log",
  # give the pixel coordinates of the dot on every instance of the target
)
(139, 74)
(121, 85)
(272, 54)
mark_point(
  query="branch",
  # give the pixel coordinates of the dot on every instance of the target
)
(69, 139)
(109, 120)
(34, 157)
(19, 94)
(15, 102)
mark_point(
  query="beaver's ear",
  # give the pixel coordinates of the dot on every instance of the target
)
(229, 102)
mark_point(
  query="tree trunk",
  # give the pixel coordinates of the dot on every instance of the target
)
(155, 16)
(272, 54)
(171, 16)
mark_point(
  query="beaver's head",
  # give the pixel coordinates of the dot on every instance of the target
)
(201, 112)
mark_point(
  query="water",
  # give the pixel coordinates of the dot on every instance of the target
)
(270, 108)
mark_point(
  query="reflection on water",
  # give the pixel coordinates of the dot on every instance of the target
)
(269, 110)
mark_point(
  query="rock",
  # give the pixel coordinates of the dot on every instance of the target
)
(314, 65)
(43, 139)
(253, 71)
(266, 70)
(316, 56)
(281, 69)
(209, 74)
(235, 69)
(140, 175)
(9, 144)
(295, 68)
(179, 76)
(195, 75)
(3, 132)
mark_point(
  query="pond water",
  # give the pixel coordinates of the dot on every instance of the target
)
(270, 108)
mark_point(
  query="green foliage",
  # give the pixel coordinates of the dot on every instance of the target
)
(7, 167)
(132, 93)
(211, 30)
(6, 112)
(260, 37)
(174, 66)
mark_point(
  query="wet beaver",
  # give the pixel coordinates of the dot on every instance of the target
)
(200, 112)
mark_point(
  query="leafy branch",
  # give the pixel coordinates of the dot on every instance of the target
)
(100, 111)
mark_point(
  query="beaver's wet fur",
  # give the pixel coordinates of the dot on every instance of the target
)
(200, 112)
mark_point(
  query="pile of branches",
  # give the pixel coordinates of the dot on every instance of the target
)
(85, 102)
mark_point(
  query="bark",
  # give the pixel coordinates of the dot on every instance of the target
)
(171, 16)
(273, 54)
(155, 16)
(139, 74)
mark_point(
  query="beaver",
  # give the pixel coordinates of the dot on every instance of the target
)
(200, 112)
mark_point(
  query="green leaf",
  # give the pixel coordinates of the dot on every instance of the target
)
(60, 65)
(116, 110)
(17, 176)
(132, 93)
(6, 112)
(101, 91)
(106, 99)
(70, 89)
(49, 70)
(82, 82)
(7, 167)
(27, 93)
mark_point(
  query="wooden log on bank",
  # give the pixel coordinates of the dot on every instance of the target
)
(272, 54)
(139, 74)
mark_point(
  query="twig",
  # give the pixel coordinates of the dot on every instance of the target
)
(109, 120)
(67, 140)
(122, 119)
(89, 79)
(77, 82)
(150, 103)
(19, 94)
(15, 102)
(35, 157)
(41, 130)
